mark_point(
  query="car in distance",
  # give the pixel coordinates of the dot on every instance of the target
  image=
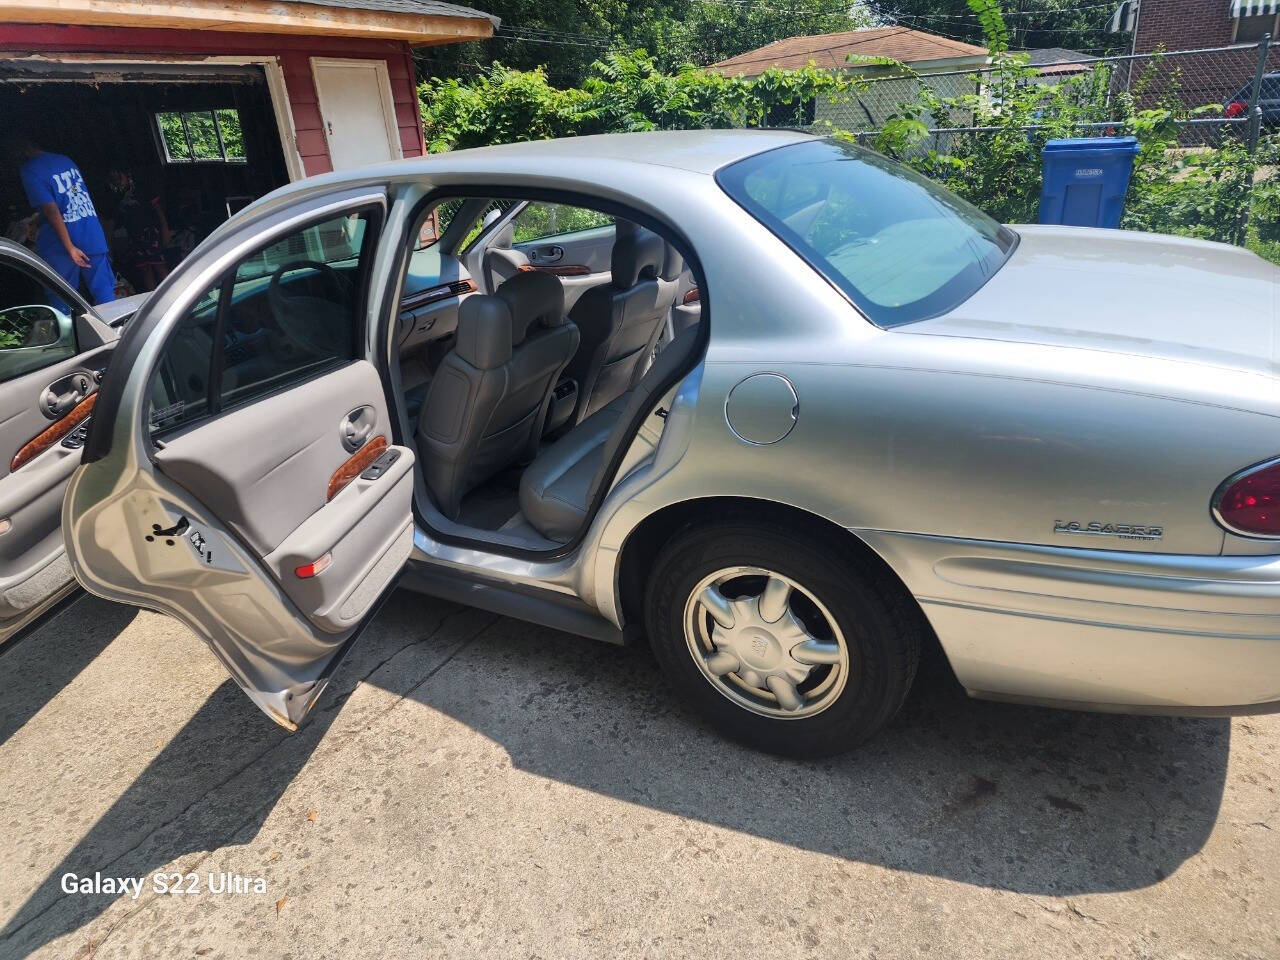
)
(773, 401)
(1237, 105)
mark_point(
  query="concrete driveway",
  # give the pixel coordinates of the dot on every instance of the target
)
(472, 786)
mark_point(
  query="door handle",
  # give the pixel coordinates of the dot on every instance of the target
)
(356, 436)
(356, 428)
(59, 403)
(56, 403)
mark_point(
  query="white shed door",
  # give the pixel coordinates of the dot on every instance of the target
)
(356, 108)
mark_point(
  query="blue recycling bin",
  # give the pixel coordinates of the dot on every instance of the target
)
(1085, 180)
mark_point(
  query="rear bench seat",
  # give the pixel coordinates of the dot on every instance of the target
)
(557, 488)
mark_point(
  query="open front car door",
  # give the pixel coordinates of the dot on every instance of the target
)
(239, 474)
(52, 354)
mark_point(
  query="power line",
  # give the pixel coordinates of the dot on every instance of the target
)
(910, 21)
(1011, 13)
(546, 32)
(517, 35)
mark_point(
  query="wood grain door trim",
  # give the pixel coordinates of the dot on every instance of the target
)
(565, 270)
(54, 433)
(360, 461)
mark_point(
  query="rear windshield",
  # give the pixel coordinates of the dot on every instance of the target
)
(901, 247)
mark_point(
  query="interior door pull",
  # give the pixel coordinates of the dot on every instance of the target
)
(357, 427)
(356, 436)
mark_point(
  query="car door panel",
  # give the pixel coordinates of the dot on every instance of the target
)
(271, 528)
(581, 259)
(265, 470)
(35, 465)
(151, 543)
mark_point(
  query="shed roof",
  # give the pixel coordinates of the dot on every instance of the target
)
(830, 50)
(419, 7)
(418, 22)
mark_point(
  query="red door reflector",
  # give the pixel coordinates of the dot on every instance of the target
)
(315, 567)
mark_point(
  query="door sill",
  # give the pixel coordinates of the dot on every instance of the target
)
(531, 604)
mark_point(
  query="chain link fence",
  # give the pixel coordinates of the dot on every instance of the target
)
(1208, 119)
(1214, 94)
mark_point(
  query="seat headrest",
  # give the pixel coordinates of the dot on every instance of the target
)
(638, 254)
(533, 298)
(672, 265)
(490, 326)
(505, 238)
(484, 331)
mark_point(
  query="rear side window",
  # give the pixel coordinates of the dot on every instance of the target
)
(288, 311)
(542, 221)
(901, 247)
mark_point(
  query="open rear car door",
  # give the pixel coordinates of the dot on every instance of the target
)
(52, 354)
(239, 474)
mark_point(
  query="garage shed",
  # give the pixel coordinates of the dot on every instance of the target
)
(208, 104)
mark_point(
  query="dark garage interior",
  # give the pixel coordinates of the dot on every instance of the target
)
(197, 142)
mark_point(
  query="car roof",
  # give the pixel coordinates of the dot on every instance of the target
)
(697, 151)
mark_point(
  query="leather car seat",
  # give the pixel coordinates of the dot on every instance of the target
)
(488, 400)
(501, 260)
(557, 489)
(620, 321)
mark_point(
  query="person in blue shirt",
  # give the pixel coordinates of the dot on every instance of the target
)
(70, 238)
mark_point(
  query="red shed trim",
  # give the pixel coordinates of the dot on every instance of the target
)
(285, 60)
(450, 24)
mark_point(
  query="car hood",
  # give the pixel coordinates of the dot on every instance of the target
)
(118, 312)
(1132, 293)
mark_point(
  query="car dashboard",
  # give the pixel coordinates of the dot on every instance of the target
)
(434, 288)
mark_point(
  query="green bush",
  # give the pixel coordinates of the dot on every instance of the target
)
(625, 92)
(1264, 212)
(1201, 192)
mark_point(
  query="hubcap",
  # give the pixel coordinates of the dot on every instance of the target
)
(766, 643)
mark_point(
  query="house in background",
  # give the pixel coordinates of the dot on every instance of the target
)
(1181, 25)
(211, 104)
(1055, 64)
(1195, 24)
(924, 53)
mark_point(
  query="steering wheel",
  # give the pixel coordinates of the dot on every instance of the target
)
(317, 324)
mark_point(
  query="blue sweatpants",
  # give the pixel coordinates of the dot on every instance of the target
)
(98, 277)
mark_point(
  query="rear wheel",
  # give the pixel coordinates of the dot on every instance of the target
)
(793, 645)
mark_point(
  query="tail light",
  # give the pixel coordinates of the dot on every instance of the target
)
(1236, 108)
(1248, 503)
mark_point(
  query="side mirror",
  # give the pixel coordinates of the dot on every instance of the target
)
(30, 326)
(33, 337)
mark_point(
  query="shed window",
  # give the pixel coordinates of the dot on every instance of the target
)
(201, 136)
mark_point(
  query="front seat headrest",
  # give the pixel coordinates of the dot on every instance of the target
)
(672, 265)
(532, 297)
(638, 254)
(505, 238)
(484, 332)
(490, 326)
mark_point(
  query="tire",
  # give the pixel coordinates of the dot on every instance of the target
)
(871, 616)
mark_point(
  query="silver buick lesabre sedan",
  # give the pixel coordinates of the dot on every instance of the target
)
(774, 402)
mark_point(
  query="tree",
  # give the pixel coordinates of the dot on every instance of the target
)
(565, 39)
(1032, 24)
(704, 32)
